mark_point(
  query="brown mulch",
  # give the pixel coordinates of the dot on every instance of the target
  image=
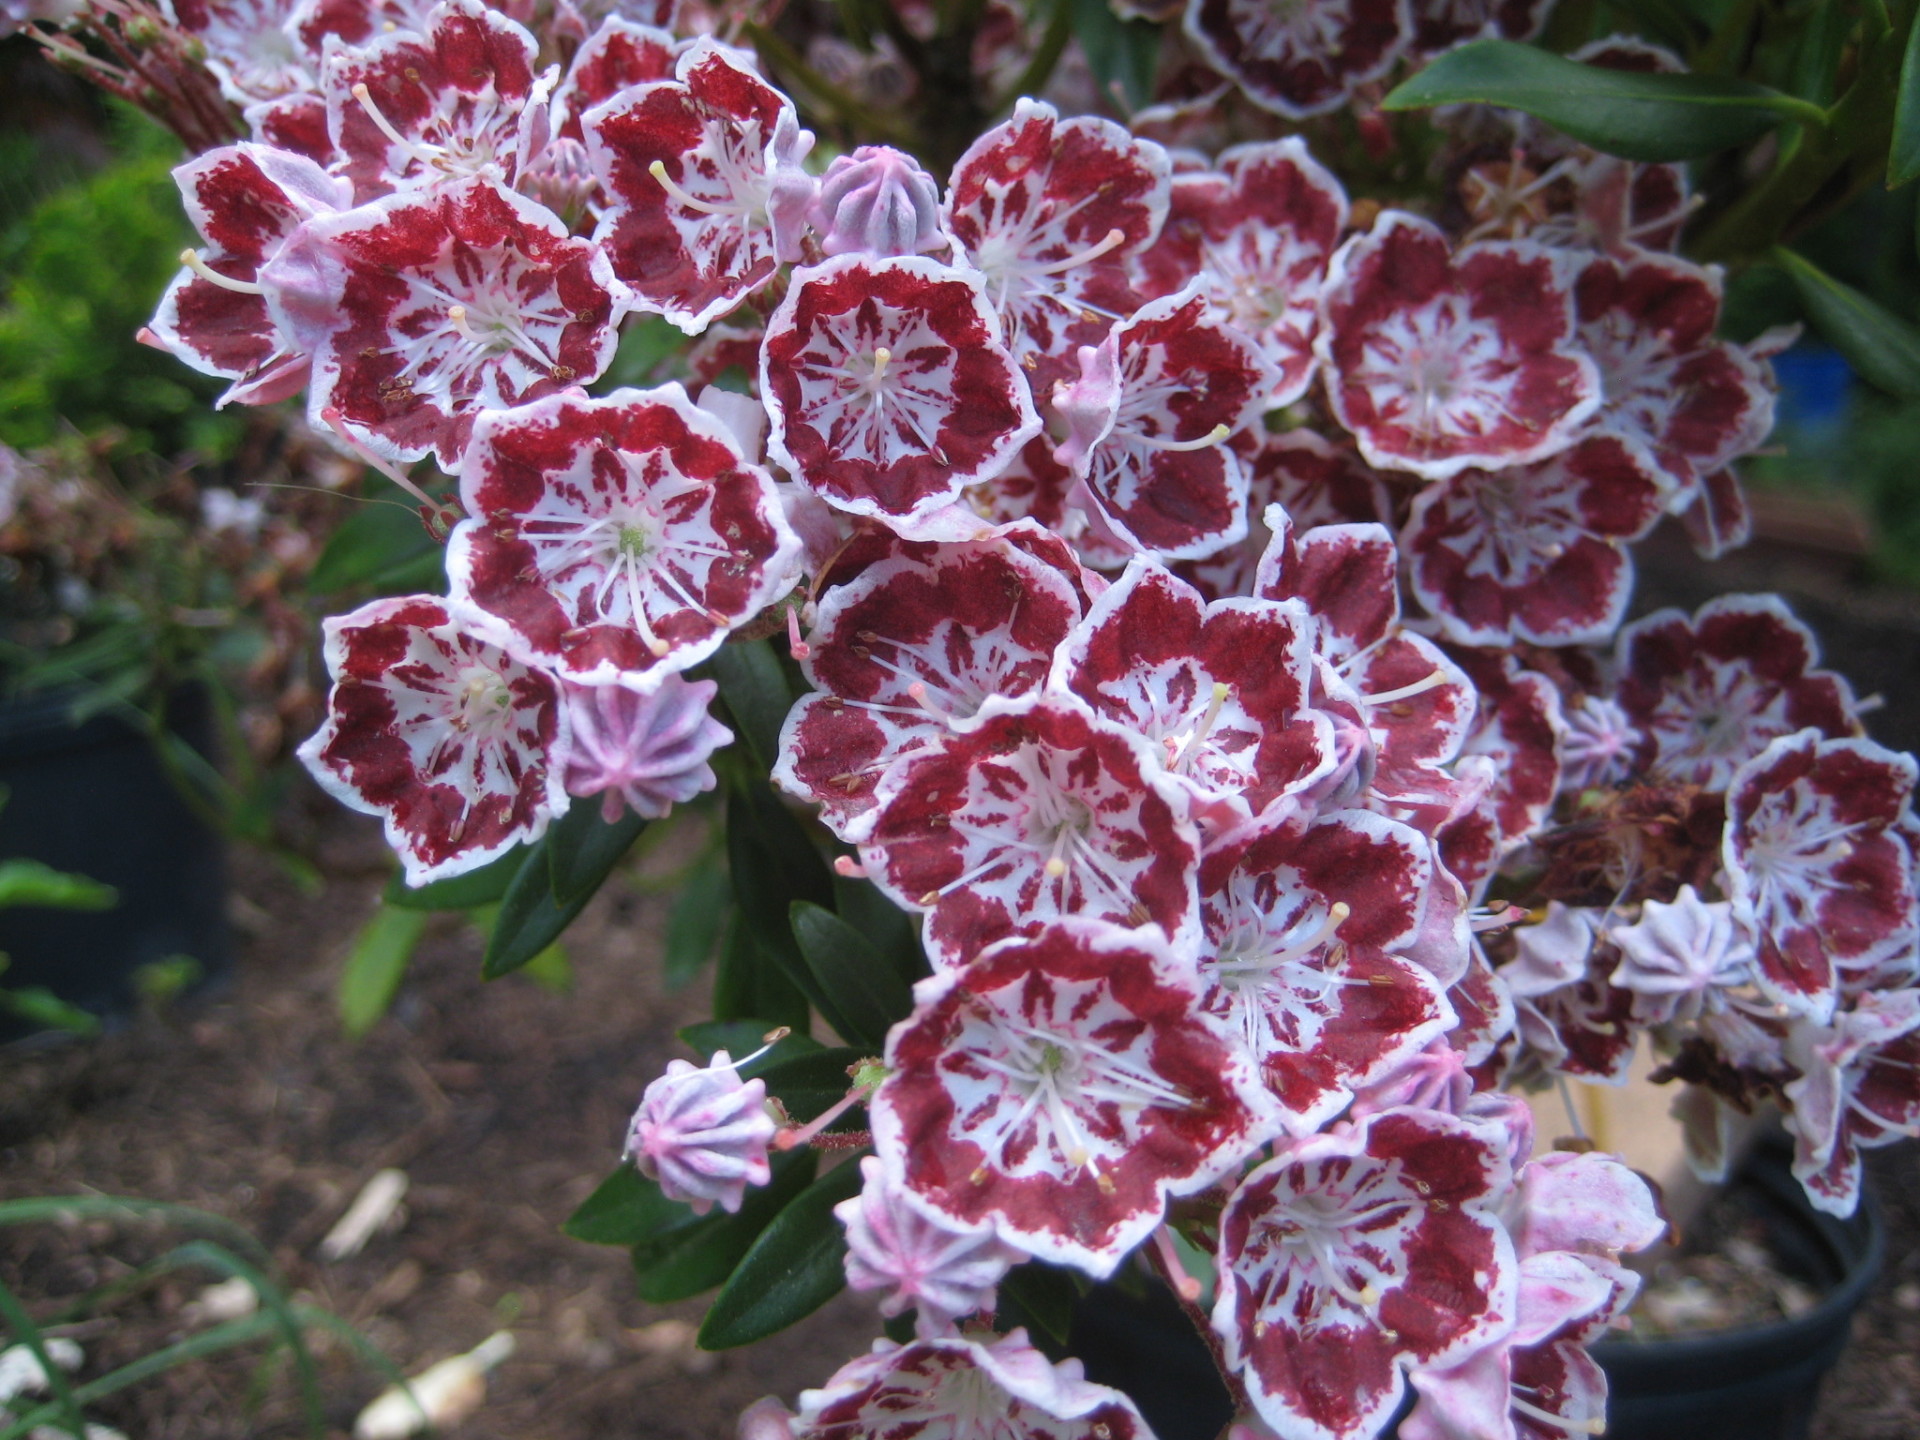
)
(505, 1104)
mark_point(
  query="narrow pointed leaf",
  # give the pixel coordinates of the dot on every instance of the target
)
(757, 695)
(1881, 347)
(1039, 1295)
(485, 886)
(702, 1257)
(747, 983)
(582, 849)
(774, 864)
(627, 1209)
(694, 924)
(868, 992)
(1649, 117)
(1123, 54)
(792, 1270)
(28, 882)
(375, 967)
(889, 928)
(383, 546)
(530, 919)
(1903, 158)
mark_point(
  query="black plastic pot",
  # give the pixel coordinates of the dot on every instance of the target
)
(1758, 1383)
(94, 800)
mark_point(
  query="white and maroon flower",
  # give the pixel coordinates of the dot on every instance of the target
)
(1441, 24)
(1572, 1018)
(912, 647)
(1692, 402)
(1351, 1255)
(1718, 519)
(889, 388)
(1256, 235)
(702, 1132)
(1040, 810)
(1440, 362)
(953, 1389)
(1061, 1088)
(1148, 417)
(1049, 211)
(1534, 552)
(245, 200)
(1817, 868)
(447, 738)
(426, 307)
(640, 752)
(1709, 692)
(254, 48)
(616, 540)
(935, 1266)
(1316, 958)
(878, 202)
(619, 54)
(1221, 689)
(409, 111)
(1517, 725)
(1856, 1090)
(1301, 59)
(701, 179)
(1680, 959)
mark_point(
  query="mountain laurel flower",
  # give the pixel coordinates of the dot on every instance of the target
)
(702, 1132)
(643, 752)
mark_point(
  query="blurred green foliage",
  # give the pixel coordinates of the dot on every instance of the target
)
(81, 270)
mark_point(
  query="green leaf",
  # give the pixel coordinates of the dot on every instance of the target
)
(1637, 116)
(1123, 54)
(1903, 157)
(530, 919)
(627, 1209)
(792, 1270)
(1883, 349)
(747, 983)
(686, 1263)
(887, 927)
(867, 991)
(383, 545)
(645, 342)
(694, 924)
(773, 864)
(28, 882)
(485, 886)
(582, 848)
(39, 1006)
(757, 695)
(374, 968)
(1039, 1295)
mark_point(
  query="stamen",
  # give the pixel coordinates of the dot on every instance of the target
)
(1200, 732)
(1206, 442)
(365, 97)
(191, 259)
(882, 357)
(1085, 257)
(457, 317)
(1419, 687)
(658, 170)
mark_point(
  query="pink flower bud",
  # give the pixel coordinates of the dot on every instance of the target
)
(703, 1134)
(647, 751)
(943, 1270)
(878, 201)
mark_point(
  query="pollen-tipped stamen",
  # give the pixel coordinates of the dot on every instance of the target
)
(191, 259)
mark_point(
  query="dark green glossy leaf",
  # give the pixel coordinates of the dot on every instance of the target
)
(704, 1255)
(1123, 54)
(694, 924)
(792, 1270)
(28, 882)
(773, 865)
(747, 983)
(1038, 1295)
(530, 919)
(1638, 116)
(485, 886)
(383, 545)
(757, 695)
(869, 995)
(375, 967)
(1883, 349)
(582, 848)
(887, 927)
(628, 1209)
(1903, 158)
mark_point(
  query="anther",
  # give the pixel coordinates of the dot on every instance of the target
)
(191, 259)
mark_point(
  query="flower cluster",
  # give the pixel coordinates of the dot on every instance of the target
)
(1213, 631)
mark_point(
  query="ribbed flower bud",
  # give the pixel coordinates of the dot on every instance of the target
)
(878, 201)
(702, 1133)
(648, 752)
